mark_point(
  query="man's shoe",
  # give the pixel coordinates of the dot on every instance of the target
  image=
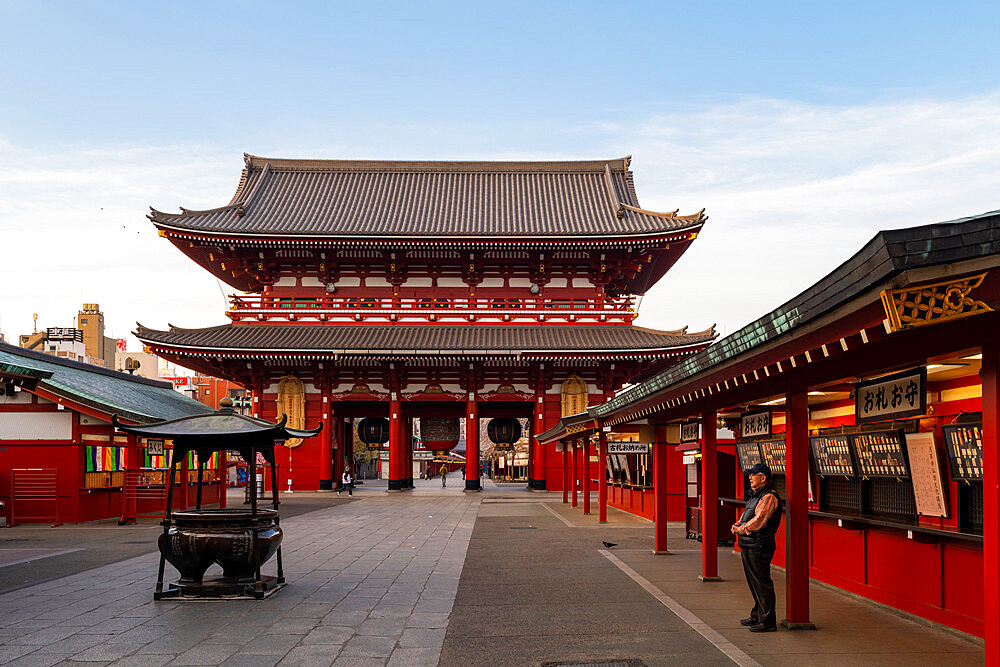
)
(749, 621)
(760, 627)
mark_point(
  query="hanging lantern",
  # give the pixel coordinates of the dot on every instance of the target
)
(373, 430)
(439, 434)
(504, 430)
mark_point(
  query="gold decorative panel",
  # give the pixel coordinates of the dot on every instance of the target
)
(574, 396)
(921, 305)
(292, 402)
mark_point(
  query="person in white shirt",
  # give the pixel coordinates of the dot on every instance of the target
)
(346, 482)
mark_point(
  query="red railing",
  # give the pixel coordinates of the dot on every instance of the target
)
(336, 307)
(145, 493)
(34, 495)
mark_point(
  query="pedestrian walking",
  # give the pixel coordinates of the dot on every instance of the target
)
(444, 474)
(346, 482)
(463, 472)
(756, 529)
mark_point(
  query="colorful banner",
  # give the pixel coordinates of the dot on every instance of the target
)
(100, 459)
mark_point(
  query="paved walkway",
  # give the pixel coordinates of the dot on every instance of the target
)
(438, 576)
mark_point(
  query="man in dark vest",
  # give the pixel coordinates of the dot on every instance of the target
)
(756, 529)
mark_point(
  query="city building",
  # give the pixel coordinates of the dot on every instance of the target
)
(85, 342)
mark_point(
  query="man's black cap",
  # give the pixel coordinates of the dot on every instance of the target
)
(759, 467)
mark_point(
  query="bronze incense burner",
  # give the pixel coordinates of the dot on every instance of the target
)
(239, 540)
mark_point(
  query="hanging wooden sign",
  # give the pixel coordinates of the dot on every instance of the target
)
(756, 423)
(690, 431)
(628, 448)
(891, 397)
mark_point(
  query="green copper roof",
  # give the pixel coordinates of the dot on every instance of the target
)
(108, 391)
(885, 256)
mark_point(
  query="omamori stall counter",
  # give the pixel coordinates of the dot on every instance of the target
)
(239, 540)
(886, 374)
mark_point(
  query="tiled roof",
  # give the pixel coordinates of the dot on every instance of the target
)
(108, 391)
(362, 339)
(436, 199)
(887, 255)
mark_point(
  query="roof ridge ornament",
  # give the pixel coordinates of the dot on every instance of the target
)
(616, 204)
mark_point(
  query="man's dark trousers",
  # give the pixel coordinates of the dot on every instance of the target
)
(757, 567)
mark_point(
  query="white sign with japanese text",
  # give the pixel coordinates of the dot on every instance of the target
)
(892, 397)
(690, 432)
(754, 424)
(628, 448)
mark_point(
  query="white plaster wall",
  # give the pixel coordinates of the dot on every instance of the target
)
(451, 282)
(36, 425)
(557, 282)
(285, 281)
(312, 281)
(376, 281)
(20, 396)
(348, 281)
(418, 282)
(86, 420)
(520, 282)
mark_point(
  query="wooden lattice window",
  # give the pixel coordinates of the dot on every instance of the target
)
(292, 402)
(574, 396)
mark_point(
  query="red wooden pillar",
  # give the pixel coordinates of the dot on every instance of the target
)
(183, 486)
(472, 446)
(396, 453)
(337, 436)
(659, 448)
(326, 437)
(538, 450)
(407, 479)
(565, 470)
(586, 474)
(602, 475)
(576, 469)
(797, 511)
(347, 440)
(990, 375)
(709, 500)
(223, 473)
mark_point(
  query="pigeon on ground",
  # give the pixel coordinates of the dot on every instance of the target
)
(610, 544)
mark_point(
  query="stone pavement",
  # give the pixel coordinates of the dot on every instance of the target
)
(438, 576)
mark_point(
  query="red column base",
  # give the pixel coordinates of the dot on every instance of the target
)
(792, 625)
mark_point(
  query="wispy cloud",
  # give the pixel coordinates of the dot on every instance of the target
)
(792, 190)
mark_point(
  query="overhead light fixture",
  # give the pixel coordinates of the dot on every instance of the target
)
(774, 402)
(974, 357)
(937, 368)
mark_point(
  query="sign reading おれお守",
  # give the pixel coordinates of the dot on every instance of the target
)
(891, 397)
(756, 423)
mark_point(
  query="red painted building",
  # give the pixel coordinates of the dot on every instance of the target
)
(60, 458)
(874, 396)
(428, 289)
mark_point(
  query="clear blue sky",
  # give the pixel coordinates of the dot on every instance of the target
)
(501, 74)
(802, 127)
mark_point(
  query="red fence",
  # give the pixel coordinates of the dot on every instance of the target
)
(34, 496)
(145, 493)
